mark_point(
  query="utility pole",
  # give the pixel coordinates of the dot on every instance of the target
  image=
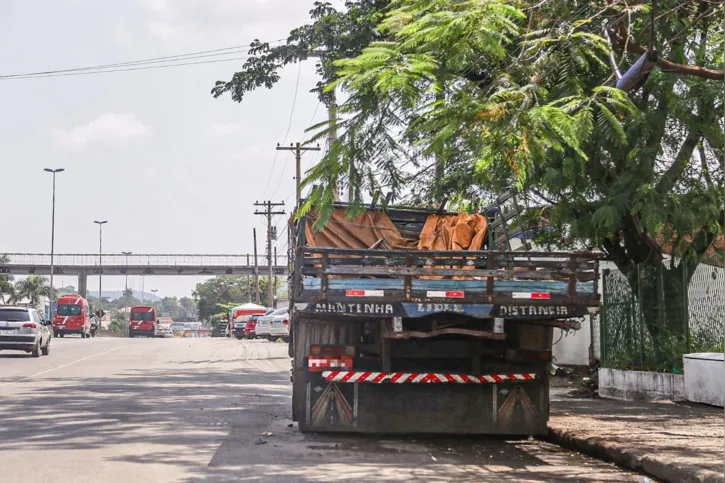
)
(275, 277)
(268, 207)
(100, 224)
(332, 127)
(256, 264)
(249, 284)
(298, 149)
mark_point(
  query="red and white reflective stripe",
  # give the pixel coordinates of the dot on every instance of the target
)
(531, 295)
(365, 293)
(78, 301)
(445, 295)
(151, 309)
(421, 377)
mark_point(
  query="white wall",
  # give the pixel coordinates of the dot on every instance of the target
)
(572, 348)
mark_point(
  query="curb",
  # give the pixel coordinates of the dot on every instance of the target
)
(633, 459)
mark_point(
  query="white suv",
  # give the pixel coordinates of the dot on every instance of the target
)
(279, 326)
(24, 329)
(264, 324)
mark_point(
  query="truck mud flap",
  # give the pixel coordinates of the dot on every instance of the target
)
(440, 404)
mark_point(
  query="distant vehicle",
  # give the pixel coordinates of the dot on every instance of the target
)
(250, 328)
(72, 316)
(241, 315)
(24, 329)
(264, 323)
(279, 326)
(142, 322)
(164, 330)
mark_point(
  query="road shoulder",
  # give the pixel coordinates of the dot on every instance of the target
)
(670, 442)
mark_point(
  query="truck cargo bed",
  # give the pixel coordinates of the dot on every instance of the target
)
(409, 283)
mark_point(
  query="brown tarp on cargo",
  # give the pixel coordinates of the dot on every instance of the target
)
(453, 232)
(372, 229)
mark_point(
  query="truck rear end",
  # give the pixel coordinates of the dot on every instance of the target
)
(71, 316)
(427, 341)
(142, 322)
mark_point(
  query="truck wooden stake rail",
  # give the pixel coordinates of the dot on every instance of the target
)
(409, 341)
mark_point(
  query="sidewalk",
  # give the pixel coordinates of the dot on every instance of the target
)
(668, 441)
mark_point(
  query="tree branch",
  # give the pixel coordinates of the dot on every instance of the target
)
(669, 66)
(669, 179)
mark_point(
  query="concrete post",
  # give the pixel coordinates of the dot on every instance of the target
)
(83, 283)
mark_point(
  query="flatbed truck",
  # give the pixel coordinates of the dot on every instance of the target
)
(446, 341)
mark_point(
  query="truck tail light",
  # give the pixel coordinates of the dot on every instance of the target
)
(30, 325)
(332, 350)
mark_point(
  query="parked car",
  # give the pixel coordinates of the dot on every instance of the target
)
(164, 330)
(264, 324)
(24, 329)
(250, 329)
(279, 327)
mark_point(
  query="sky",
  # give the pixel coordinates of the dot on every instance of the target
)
(172, 169)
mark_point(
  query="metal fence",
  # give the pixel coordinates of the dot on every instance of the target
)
(658, 312)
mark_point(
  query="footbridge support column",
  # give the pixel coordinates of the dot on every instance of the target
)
(83, 283)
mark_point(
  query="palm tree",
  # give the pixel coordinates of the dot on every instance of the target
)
(33, 289)
(7, 291)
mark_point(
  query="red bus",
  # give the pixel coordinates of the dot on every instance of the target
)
(72, 316)
(142, 322)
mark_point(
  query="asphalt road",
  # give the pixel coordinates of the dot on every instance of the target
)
(194, 410)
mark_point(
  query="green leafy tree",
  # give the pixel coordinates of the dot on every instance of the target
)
(170, 307)
(119, 322)
(7, 290)
(188, 308)
(334, 34)
(214, 293)
(459, 100)
(33, 289)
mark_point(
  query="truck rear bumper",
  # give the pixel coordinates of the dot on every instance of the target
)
(70, 331)
(141, 333)
(509, 407)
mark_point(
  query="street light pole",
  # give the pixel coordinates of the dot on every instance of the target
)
(125, 291)
(100, 270)
(52, 242)
(153, 291)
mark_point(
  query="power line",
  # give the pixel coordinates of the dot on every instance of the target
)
(289, 127)
(149, 67)
(312, 120)
(187, 56)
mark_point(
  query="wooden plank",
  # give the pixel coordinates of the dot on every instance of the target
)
(482, 334)
(572, 277)
(386, 346)
(408, 282)
(419, 271)
(455, 253)
(325, 281)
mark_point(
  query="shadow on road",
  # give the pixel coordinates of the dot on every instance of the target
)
(204, 421)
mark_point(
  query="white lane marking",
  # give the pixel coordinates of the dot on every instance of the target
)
(62, 367)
